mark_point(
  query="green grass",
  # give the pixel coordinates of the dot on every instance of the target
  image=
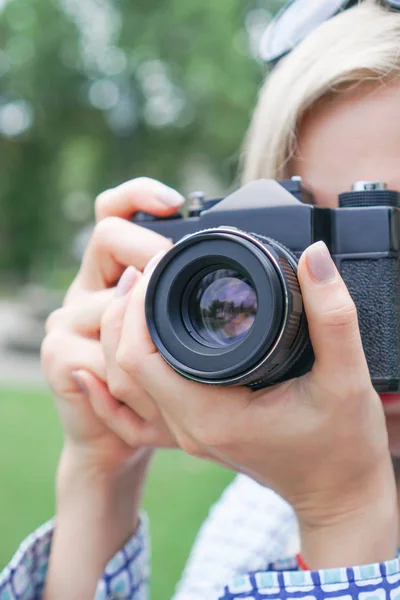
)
(179, 491)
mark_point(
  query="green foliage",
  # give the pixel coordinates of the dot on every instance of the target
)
(96, 92)
(178, 494)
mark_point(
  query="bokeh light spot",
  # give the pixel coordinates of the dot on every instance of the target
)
(15, 118)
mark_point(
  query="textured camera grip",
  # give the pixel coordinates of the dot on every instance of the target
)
(375, 288)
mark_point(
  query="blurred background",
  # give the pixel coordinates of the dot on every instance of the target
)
(92, 93)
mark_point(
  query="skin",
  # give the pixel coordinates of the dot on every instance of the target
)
(347, 505)
(352, 137)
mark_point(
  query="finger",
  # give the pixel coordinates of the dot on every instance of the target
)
(135, 321)
(332, 319)
(63, 353)
(115, 245)
(120, 419)
(113, 317)
(141, 194)
(83, 318)
(120, 384)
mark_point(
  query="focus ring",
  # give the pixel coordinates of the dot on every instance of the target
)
(271, 372)
(294, 317)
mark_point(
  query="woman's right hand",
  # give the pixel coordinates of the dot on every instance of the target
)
(320, 440)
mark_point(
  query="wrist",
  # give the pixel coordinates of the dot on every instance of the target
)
(356, 529)
(93, 490)
(97, 512)
(99, 461)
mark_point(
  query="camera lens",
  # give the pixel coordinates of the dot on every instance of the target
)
(223, 307)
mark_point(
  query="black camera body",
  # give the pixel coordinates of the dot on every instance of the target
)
(224, 307)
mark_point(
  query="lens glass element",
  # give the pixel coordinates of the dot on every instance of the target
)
(223, 307)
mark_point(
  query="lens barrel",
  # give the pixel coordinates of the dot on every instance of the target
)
(224, 307)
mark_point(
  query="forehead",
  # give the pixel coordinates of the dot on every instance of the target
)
(348, 136)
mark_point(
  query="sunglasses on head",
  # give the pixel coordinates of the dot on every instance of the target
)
(299, 18)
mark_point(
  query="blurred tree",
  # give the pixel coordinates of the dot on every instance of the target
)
(93, 92)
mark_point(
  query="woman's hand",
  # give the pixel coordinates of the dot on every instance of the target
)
(320, 441)
(100, 476)
(71, 351)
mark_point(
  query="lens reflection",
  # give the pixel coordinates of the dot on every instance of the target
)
(223, 307)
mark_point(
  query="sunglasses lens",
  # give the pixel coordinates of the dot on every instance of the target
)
(294, 23)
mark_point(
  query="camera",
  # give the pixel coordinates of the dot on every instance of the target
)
(224, 306)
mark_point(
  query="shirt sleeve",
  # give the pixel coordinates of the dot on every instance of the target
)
(23, 578)
(126, 576)
(380, 581)
(249, 527)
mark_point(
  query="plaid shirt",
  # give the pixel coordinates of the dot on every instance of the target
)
(246, 540)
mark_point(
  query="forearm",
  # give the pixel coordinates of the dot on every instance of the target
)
(97, 513)
(361, 532)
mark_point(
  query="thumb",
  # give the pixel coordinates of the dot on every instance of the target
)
(332, 319)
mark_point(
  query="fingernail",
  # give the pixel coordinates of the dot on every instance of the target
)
(77, 378)
(169, 196)
(151, 265)
(126, 281)
(320, 263)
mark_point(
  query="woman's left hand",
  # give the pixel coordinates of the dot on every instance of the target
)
(320, 441)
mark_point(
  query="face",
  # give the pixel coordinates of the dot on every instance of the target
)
(349, 137)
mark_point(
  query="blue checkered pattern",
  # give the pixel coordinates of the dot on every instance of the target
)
(23, 578)
(127, 574)
(125, 577)
(369, 582)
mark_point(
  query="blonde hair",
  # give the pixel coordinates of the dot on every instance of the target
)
(362, 43)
